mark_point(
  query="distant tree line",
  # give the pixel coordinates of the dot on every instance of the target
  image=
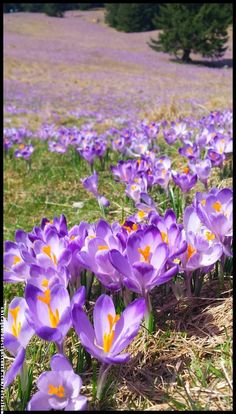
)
(51, 9)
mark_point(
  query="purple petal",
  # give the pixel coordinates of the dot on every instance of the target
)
(103, 307)
(120, 263)
(39, 402)
(15, 368)
(60, 363)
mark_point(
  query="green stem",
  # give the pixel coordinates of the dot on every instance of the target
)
(103, 372)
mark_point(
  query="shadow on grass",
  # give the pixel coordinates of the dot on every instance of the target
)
(217, 64)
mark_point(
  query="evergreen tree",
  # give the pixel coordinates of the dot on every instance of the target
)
(111, 14)
(131, 17)
(54, 9)
(192, 27)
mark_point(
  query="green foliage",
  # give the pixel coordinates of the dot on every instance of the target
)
(51, 9)
(192, 27)
(131, 17)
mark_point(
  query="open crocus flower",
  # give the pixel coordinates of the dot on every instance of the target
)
(15, 268)
(112, 333)
(184, 180)
(17, 334)
(53, 252)
(202, 168)
(143, 262)
(58, 389)
(24, 151)
(49, 312)
(94, 255)
(134, 189)
(172, 233)
(190, 150)
(215, 211)
(203, 247)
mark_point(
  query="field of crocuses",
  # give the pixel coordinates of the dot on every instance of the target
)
(117, 221)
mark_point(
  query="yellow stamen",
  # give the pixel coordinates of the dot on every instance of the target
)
(100, 247)
(44, 282)
(107, 341)
(21, 146)
(190, 251)
(108, 337)
(217, 206)
(133, 187)
(16, 260)
(177, 260)
(139, 161)
(48, 252)
(15, 327)
(164, 237)
(141, 214)
(209, 235)
(46, 298)
(58, 391)
(54, 318)
(145, 253)
(72, 237)
(190, 151)
(203, 202)
(134, 227)
(136, 180)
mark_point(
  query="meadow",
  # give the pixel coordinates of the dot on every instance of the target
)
(86, 98)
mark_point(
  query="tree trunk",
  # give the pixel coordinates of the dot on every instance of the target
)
(186, 55)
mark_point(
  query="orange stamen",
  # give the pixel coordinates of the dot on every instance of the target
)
(102, 247)
(190, 251)
(58, 391)
(145, 253)
(217, 206)
(108, 337)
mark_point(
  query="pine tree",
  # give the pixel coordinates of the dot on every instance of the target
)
(54, 9)
(192, 27)
(131, 17)
(111, 14)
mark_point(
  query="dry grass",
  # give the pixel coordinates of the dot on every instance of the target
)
(182, 369)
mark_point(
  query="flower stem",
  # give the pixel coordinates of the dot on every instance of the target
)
(103, 372)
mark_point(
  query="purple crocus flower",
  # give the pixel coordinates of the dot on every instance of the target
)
(24, 151)
(58, 389)
(15, 268)
(203, 248)
(171, 233)
(215, 212)
(91, 185)
(94, 255)
(49, 312)
(190, 151)
(17, 334)
(143, 263)
(202, 168)
(112, 333)
(184, 180)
